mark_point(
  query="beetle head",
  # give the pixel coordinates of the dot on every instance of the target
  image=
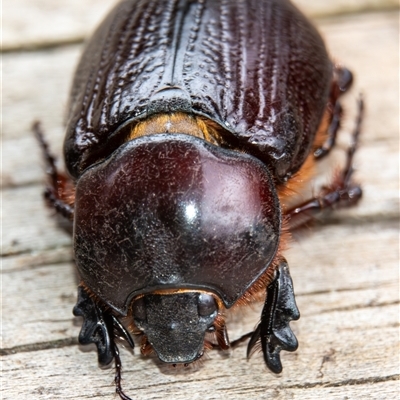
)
(175, 324)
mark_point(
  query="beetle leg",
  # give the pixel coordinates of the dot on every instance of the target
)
(333, 129)
(121, 329)
(342, 192)
(118, 369)
(55, 192)
(145, 347)
(221, 334)
(274, 331)
(342, 81)
(96, 326)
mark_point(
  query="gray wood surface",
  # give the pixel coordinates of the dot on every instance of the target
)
(345, 270)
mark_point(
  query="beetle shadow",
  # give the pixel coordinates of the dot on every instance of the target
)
(189, 369)
(179, 369)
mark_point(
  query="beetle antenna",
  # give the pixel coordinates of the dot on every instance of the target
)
(235, 343)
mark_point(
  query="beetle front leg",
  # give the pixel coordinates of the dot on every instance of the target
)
(274, 331)
(98, 328)
(55, 193)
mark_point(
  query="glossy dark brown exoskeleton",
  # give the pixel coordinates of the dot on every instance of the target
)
(190, 124)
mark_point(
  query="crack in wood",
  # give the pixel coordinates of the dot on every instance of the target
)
(358, 307)
(34, 266)
(55, 344)
(40, 46)
(367, 9)
(363, 381)
(312, 385)
(29, 251)
(346, 382)
(329, 356)
(346, 289)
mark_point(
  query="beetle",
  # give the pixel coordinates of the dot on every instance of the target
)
(191, 124)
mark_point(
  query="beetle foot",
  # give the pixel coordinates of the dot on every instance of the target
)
(96, 326)
(274, 331)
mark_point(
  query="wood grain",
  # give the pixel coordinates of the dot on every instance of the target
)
(35, 24)
(345, 268)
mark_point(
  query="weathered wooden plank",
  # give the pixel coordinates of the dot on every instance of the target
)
(36, 86)
(368, 45)
(31, 24)
(345, 257)
(371, 389)
(45, 23)
(47, 311)
(338, 361)
(33, 259)
(27, 224)
(345, 275)
(317, 8)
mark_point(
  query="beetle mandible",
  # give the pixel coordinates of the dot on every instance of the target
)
(188, 123)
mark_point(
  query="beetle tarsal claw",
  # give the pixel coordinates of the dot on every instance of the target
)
(274, 331)
(95, 327)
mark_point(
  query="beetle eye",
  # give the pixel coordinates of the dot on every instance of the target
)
(139, 309)
(206, 305)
